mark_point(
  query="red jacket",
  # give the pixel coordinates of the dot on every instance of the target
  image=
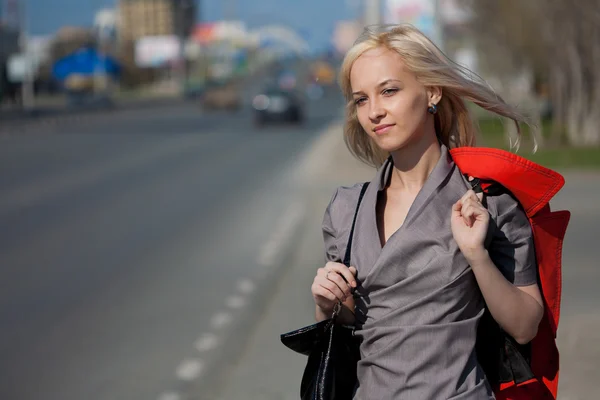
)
(533, 186)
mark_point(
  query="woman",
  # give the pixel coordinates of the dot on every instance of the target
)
(426, 253)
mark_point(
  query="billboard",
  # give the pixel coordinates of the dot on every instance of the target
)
(211, 32)
(420, 13)
(156, 51)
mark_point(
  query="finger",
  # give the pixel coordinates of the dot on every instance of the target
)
(319, 292)
(471, 213)
(353, 270)
(321, 289)
(474, 203)
(343, 271)
(339, 281)
(470, 194)
(475, 212)
(333, 288)
(467, 214)
(478, 197)
(456, 208)
(465, 217)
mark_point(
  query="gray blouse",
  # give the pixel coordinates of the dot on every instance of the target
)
(418, 304)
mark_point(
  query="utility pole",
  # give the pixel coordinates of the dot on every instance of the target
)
(372, 12)
(27, 95)
(184, 11)
(440, 26)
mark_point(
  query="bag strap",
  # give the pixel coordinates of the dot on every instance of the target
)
(493, 188)
(349, 245)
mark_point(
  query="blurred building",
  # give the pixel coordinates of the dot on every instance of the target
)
(9, 46)
(105, 25)
(142, 18)
(9, 42)
(9, 29)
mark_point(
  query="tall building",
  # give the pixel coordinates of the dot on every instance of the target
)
(9, 42)
(140, 18)
(9, 29)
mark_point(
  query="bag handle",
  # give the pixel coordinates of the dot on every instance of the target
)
(338, 306)
(349, 245)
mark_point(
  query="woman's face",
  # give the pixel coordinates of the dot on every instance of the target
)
(391, 103)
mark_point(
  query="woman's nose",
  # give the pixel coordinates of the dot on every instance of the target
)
(376, 112)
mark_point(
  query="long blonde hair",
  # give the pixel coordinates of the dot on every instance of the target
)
(432, 67)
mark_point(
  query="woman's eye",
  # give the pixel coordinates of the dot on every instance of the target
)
(359, 101)
(389, 92)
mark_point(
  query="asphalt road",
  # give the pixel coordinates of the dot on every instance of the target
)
(122, 236)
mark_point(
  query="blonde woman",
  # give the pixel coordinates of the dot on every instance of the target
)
(426, 253)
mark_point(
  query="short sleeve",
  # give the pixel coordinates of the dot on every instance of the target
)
(512, 248)
(330, 233)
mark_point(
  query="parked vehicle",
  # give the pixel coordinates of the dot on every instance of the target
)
(276, 104)
(222, 95)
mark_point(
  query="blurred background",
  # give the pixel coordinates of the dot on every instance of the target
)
(165, 166)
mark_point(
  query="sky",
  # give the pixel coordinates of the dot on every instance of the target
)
(314, 19)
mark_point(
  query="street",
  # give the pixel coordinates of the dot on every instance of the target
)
(125, 239)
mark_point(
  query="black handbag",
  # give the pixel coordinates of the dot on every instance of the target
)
(332, 349)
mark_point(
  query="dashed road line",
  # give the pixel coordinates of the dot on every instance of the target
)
(192, 368)
(169, 396)
(189, 369)
(235, 302)
(207, 342)
(246, 286)
(220, 320)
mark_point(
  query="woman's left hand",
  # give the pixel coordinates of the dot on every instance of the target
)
(470, 220)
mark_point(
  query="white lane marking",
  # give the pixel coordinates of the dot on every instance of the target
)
(268, 253)
(207, 342)
(235, 302)
(221, 319)
(282, 234)
(189, 369)
(169, 396)
(246, 286)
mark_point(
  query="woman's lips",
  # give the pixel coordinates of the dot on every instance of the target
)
(381, 129)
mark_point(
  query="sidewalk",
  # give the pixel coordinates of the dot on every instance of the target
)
(269, 371)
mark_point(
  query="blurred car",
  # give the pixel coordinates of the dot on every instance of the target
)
(221, 95)
(278, 105)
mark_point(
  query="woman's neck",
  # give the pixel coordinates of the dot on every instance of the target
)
(413, 165)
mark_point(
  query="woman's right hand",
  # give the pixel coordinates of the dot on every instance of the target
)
(333, 283)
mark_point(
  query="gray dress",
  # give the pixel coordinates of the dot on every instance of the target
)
(418, 304)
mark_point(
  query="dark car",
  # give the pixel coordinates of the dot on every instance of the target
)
(278, 105)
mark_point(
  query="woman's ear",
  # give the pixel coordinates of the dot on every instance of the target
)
(434, 95)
